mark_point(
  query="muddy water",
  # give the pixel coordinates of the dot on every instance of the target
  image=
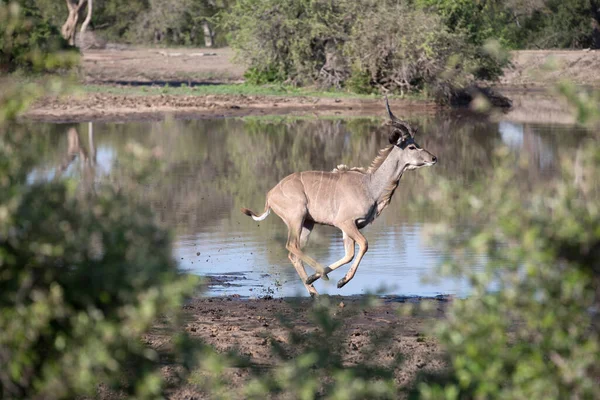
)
(214, 167)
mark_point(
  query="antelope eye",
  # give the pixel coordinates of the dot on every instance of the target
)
(412, 147)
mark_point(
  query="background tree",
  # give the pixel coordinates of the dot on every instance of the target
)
(522, 23)
(567, 24)
(69, 27)
(30, 42)
(88, 17)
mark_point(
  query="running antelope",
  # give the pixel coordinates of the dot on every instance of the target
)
(347, 198)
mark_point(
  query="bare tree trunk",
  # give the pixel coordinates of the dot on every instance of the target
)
(68, 28)
(208, 34)
(595, 6)
(595, 35)
(88, 18)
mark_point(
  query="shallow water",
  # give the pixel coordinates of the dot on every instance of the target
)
(214, 167)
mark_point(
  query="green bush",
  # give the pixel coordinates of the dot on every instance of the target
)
(359, 81)
(29, 42)
(358, 44)
(285, 38)
(257, 76)
(410, 50)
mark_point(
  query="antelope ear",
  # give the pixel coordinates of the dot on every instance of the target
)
(395, 137)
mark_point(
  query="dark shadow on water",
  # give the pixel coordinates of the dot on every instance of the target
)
(163, 83)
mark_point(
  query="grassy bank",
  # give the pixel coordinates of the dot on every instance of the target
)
(231, 89)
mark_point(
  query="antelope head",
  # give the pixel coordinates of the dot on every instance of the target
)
(403, 139)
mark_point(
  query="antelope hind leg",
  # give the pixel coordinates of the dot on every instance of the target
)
(311, 262)
(293, 246)
(302, 273)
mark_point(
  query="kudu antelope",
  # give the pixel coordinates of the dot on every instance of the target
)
(347, 198)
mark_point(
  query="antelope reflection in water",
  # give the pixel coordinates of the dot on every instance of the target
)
(87, 159)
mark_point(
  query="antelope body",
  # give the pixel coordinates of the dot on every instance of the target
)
(347, 198)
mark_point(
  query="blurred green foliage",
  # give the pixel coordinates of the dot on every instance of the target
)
(29, 45)
(281, 38)
(258, 76)
(83, 274)
(584, 102)
(516, 24)
(115, 18)
(530, 328)
(82, 277)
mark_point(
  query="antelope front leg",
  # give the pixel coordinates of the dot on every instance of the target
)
(363, 246)
(349, 248)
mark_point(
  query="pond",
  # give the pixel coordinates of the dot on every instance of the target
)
(212, 168)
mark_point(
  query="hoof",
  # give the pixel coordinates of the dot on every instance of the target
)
(341, 283)
(312, 278)
(318, 275)
(313, 295)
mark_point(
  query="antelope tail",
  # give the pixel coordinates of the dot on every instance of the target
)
(255, 217)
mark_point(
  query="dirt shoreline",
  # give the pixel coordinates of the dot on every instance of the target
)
(250, 327)
(121, 108)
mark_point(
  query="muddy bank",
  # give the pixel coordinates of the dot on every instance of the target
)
(117, 107)
(536, 105)
(544, 68)
(251, 327)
